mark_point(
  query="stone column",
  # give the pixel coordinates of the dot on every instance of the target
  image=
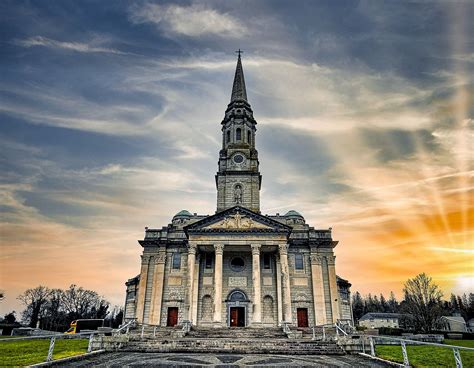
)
(319, 303)
(285, 275)
(157, 291)
(142, 288)
(190, 278)
(331, 259)
(194, 303)
(257, 293)
(219, 250)
(278, 283)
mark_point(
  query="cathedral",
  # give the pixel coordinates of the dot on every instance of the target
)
(238, 267)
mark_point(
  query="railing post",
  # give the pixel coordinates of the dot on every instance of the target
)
(363, 344)
(89, 347)
(51, 349)
(324, 333)
(154, 331)
(372, 347)
(406, 362)
(143, 330)
(457, 358)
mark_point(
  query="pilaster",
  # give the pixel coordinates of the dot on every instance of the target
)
(190, 278)
(319, 304)
(283, 248)
(142, 288)
(219, 251)
(257, 293)
(157, 291)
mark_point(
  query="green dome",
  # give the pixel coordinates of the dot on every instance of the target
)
(183, 213)
(293, 213)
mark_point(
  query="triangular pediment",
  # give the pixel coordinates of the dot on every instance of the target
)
(237, 219)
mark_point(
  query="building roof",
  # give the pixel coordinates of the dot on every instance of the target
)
(183, 213)
(454, 319)
(239, 91)
(379, 316)
(293, 213)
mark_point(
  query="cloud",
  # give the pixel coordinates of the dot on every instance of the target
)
(72, 46)
(191, 21)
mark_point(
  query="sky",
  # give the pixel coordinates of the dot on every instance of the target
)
(110, 118)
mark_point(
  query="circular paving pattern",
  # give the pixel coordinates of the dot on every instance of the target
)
(125, 359)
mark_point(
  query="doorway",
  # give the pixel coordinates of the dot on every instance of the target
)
(172, 317)
(302, 315)
(237, 316)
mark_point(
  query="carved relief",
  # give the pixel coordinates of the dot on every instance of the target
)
(237, 221)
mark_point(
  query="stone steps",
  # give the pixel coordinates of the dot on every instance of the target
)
(233, 345)
(239, 333)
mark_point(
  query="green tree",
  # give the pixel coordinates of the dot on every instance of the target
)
(423, 302)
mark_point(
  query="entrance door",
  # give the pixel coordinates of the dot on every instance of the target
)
(237, 316)
(172, 316)
(302, 314)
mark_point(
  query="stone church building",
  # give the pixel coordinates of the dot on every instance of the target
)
(238, 267)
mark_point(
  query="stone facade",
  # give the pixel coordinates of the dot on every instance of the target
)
(238, 267)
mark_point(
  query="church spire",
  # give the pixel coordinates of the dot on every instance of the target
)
(238, 89)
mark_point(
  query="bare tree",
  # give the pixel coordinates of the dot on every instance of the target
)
(35, 301)
(78, 302)
(423, 302)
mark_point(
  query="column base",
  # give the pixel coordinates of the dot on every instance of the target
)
(217, 324)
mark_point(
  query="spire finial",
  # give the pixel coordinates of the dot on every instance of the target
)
(238, 89)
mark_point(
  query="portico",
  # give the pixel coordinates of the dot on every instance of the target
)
(237, 267)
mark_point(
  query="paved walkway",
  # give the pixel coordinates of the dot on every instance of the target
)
(125, 359)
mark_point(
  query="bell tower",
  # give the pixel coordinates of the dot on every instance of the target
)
(238, 179)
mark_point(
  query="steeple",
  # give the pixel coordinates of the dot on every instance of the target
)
(238, 179)
(238, 90)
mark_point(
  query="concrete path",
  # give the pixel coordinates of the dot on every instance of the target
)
(125, 359)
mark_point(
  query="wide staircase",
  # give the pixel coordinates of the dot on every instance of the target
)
(224, 340)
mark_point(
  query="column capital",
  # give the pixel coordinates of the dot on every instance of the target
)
(192, 247)
(256, 249)
(283, 248)
(331, 259)
(316, 259)
(219, 249)
(145, 258)
(160, 257)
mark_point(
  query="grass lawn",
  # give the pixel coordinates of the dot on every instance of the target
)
(26, 352)
(428, 356)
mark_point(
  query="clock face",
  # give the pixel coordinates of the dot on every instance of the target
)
(238, 158)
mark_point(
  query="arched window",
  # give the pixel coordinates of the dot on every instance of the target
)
(238, 134)
(237, 296)
(228, 136)
(249, 137)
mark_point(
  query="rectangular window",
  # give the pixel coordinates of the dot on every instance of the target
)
(299, 261)
(267, 259)
(208, 261)
(176, 261)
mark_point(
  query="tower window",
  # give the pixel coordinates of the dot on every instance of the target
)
(228, 136)
(249, 137)
(238, 134)
(176, 261)
(299, 265)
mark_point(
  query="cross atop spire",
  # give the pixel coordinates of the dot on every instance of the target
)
(238, 89)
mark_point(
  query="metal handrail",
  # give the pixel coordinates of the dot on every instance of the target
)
(403, 343)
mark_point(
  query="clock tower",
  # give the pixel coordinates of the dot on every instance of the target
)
(238, 179)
